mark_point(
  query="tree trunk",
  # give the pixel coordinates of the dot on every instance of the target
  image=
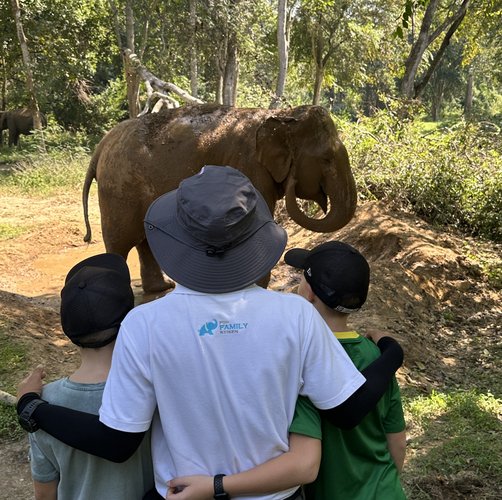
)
(437, 100)
(231, 71)
(30, 85)
(194, 73)
(4, 85)
(319, 77)
(455, 23)
(283, 50)
(469, 93)
(409, 88)
(132, 78)
(417, 52)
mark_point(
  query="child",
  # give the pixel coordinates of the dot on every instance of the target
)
(357, 464)
(364, 462)
(96, 297)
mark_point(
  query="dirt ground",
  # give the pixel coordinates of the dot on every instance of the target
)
(427, 290)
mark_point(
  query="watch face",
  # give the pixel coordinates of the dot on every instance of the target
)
(27, 424)
(25, 418)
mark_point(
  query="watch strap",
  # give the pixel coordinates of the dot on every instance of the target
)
(25, 417)
(25, 399)
(219, 492)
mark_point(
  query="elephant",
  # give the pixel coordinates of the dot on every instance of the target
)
(295, 153)
(3, 126)
(19, 121)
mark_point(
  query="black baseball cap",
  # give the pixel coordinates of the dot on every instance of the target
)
(96, 297)
(338, 274)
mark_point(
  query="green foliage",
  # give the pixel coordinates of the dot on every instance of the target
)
(448, 176)
(107, 108)
(9, 427)
(12, 359)
(12, 362)
(46, 173)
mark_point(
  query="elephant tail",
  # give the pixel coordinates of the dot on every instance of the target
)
(89, 177)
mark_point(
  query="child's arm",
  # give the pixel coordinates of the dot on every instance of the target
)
(396, 441)
(297, 466)
(46, 491)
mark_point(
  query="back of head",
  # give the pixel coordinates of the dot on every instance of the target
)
(337, 273)
(96, 297)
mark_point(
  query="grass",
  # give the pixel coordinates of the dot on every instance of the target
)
(8, 231)
(455, 446)
(13, 363)
(45, 174)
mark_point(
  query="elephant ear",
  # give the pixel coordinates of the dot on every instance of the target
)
(274, 147)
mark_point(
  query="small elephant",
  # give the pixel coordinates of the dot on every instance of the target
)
(19, 121)
(3, 126)
(294, 153)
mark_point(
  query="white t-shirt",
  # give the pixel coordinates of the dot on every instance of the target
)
(224, 372)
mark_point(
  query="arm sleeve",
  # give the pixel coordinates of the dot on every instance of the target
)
(378, 376)
(92, 437)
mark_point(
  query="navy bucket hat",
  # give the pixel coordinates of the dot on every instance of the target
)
(215, 233)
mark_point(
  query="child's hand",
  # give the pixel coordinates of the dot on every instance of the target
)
(32, 382)
(375, 335)
(191, 488)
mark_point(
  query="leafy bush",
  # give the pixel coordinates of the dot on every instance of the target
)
(448, 176)
(44, 173)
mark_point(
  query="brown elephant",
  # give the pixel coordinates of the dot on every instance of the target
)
(294, 152)
(18, 121)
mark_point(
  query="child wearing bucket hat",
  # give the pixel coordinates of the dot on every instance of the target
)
(216, 365)
(94, 300)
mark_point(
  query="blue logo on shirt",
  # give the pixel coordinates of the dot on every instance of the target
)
(224, 327)
(208, 328)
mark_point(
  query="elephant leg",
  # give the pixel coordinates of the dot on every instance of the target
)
(13, 138)
(152, 277)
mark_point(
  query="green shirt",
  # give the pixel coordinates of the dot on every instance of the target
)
(356, 464)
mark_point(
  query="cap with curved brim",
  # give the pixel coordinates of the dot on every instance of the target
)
(198, 265)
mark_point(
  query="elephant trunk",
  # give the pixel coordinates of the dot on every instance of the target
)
(342, 205)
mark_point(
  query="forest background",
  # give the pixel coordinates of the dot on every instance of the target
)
(415, 88)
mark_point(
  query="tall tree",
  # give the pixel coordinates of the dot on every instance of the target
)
(324, 21)
(194, 73)
(28, 67)
(283, 35)
(434, 25)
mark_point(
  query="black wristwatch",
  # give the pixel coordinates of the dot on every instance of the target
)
(219, 492)
(25, 417)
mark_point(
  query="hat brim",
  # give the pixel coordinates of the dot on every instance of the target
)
(296, 257)
(185, 260)
(110, 261)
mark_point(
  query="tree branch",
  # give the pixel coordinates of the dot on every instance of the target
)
(419, 88)
(156, 84)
